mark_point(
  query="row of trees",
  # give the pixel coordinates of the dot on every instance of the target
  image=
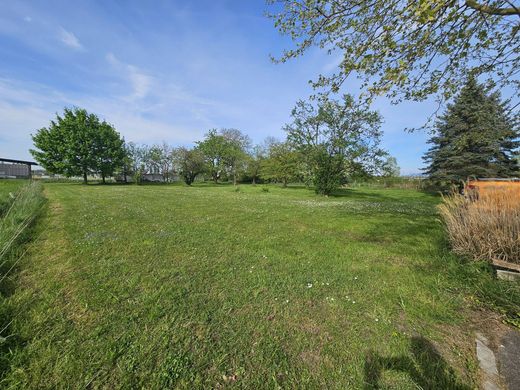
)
(328, 142)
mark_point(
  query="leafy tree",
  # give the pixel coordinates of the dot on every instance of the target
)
(281, 164)
(163, 157)
(390, 168)
(72, 145)
(188, 163)
(337, 138)
(475, 137)
(254, 162)
(213, 148)
(405, 49)
(109, 151)
(224, 151)
(235, 151)
(137, 156)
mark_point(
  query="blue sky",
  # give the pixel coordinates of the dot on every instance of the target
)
(164, 71)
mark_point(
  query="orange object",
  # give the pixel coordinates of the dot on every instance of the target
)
(492, 184)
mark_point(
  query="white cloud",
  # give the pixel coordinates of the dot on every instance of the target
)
(69, 39)
(140, 81)
(26, 107)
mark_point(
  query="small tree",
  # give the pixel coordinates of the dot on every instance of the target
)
(235, 151)
(254, 162)
(390, 168)
(188, 163)
(136, 160)
(336, 138)
(224, 151)
(213, 148)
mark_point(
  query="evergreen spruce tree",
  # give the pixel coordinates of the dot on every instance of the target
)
(476, 137)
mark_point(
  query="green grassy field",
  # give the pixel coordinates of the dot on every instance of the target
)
(206, 287)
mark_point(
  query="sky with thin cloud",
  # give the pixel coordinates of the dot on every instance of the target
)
(164, 71)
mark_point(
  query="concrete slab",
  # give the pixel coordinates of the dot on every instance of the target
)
(488, 364)
(509, 359)
(508, 275)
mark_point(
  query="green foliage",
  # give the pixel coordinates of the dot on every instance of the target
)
(78, 144)
(254, 162)
(16, 230)
(213, 148)
(224, 152)
(8, 189)
(281, 164)
(404, 49)
(235, 153)
(328, 174)
(15, 221)
(390, 168)
(475, 137)
(188, 163)
(337, 139)
(109, 151)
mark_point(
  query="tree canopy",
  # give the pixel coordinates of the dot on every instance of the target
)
(337, 138)
(405, 49)
(281, 163)
(475, 137)
(78, 144)
(188, 163)
(224, 152)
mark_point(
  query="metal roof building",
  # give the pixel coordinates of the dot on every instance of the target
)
(15, 169)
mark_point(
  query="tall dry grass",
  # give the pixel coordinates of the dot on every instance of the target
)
(487, 226)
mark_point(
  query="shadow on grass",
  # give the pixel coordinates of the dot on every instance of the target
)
(426, 368)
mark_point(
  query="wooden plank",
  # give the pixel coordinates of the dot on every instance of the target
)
(505, 264)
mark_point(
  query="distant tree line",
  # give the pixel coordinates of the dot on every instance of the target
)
(329, 142)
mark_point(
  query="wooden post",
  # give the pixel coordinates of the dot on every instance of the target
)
(30, 171)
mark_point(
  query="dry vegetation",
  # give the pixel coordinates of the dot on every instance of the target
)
(486, 227)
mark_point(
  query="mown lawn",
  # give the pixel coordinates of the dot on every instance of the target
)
(205, 287)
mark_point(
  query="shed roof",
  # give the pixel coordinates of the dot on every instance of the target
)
(9, 160)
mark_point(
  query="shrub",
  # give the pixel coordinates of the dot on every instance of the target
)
(328, 174)
(265, 189)
(486, 227)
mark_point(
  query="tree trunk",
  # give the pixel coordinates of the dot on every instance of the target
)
(254, 180)
(234, 178)
(103, 178)
(84, 177)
